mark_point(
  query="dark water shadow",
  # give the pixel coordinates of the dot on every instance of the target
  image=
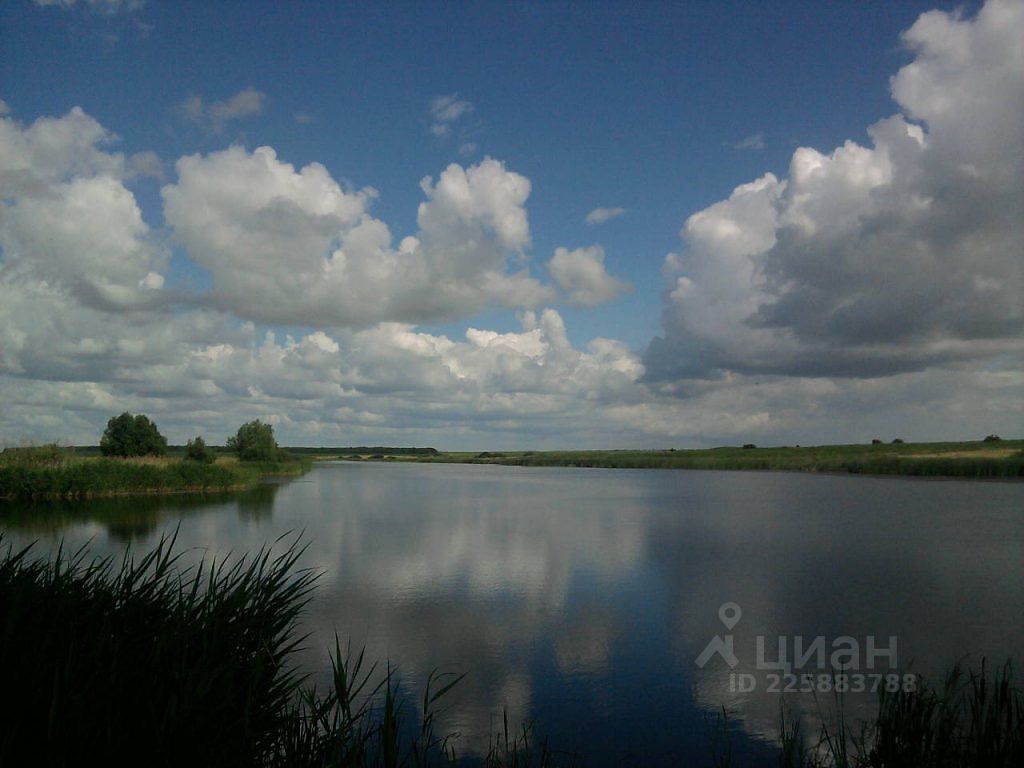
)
(129, 518)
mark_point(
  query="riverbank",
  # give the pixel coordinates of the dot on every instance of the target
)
(977, 459)
(68, 476)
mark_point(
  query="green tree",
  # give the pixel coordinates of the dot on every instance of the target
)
(254, 442)
(128, 435)
(198, 450)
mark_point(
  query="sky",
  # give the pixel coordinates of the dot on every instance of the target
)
(517, 225)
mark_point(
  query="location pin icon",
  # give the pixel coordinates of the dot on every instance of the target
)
(730, 614)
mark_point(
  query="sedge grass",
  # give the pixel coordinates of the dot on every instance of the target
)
(147, 662)
(973, 718)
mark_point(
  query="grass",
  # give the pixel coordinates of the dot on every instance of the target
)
(48, 472)
(974, 718)
(146, 662)
(1003, 459)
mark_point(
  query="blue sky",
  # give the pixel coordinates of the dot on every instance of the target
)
(660, 109)
(599, 104)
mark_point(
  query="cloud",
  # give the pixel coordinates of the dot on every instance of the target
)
(216, 115)
(194, 371)
(872, 292)
(243, 104)
(582, 275)
(287, 245)
(872, 260)
(445, 111)
(108, 7)
(601, 215)
(302, 118)
(146, 163)
(67, 217)
(754, 141)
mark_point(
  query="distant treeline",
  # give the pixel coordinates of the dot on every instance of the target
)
(364, 450)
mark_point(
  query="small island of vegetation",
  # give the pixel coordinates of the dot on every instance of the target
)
(134, 458)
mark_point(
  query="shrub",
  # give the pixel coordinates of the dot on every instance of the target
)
(254, 442)
(128, 435)
(748, 446)
(897, 441)
(992, 439)
(198, 450)
(876, 441)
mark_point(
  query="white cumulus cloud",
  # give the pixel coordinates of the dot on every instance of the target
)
(581, 273)
(287, 245)
(901, 255)
(67, 217)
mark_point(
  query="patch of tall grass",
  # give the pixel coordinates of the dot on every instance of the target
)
(48, 472)
(974, 718)
(147, 662)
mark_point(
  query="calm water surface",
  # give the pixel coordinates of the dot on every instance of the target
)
(580, 598)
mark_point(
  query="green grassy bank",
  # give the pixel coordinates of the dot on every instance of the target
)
(51, 473)
(978, 459)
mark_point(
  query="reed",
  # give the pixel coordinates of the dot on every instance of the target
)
(49, 472)
(148, 662)
(974, 717)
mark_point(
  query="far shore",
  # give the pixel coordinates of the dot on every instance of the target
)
(80, 473)
(968, 460)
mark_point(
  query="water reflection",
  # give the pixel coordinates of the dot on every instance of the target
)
(123, 519)
(582, 597)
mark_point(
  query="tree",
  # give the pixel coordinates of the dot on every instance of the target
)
(198, 450)
(128, 435)
(254, 442)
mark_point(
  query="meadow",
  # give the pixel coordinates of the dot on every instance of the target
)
(975, 459)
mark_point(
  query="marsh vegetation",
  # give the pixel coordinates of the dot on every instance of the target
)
(978, 459)
(134, 458)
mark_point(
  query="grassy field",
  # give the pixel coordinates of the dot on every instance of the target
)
(980, 459)
(48, 472)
